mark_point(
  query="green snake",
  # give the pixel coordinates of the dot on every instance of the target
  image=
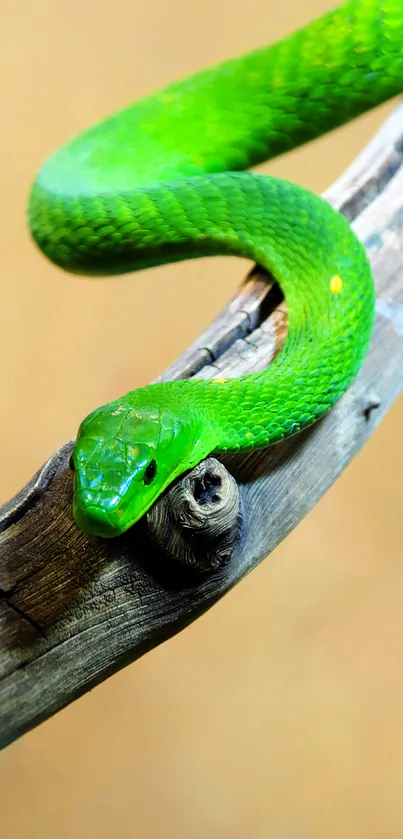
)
(162, 181)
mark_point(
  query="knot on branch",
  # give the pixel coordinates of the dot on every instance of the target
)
(198, 520)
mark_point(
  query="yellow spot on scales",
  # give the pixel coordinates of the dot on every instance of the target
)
(336, 284)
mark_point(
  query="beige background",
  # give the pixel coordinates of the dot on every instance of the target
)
(279, 714)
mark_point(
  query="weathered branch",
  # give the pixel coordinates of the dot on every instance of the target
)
(74, 609)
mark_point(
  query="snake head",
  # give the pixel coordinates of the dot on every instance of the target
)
(126, 454)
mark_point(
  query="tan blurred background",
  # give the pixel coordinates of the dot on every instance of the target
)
(279, 714)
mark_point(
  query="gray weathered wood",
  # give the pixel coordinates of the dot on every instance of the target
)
(74, 609)
(198, 521)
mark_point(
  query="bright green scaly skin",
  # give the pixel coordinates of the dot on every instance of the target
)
(160, 182)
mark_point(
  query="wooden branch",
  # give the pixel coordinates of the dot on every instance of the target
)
(74, 609)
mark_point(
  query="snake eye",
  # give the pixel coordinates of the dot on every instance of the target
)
(150, 472)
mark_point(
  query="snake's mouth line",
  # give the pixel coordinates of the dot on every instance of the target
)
(253, 326)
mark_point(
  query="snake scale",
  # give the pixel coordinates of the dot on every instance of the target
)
(163, 180)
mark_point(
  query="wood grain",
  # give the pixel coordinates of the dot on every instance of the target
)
(74, 609)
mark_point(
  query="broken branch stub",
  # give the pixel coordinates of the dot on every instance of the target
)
(74, 608)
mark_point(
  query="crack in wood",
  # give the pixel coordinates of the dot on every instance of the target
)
(25, 617)
(82, 608)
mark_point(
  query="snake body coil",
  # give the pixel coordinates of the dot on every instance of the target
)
(160, 182)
